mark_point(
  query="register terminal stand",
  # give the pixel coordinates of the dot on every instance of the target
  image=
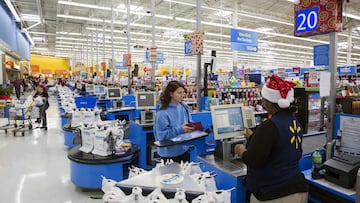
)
(338, 184)
(229, 123)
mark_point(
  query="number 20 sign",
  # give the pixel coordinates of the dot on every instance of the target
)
(313, 17)
(307, 20)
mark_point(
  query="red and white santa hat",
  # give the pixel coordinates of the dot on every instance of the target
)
(279, 91)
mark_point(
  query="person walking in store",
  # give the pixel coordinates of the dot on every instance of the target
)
(17, 85)
(42, 93)
(273, 151)
(171, 121)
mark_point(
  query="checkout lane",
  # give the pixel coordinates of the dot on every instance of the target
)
(226, 170)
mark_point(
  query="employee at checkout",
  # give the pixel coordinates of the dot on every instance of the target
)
(171, 121)
(273, 151)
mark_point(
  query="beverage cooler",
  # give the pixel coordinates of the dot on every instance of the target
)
(310, 110)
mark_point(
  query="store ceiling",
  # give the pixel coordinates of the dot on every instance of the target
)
(68, 28)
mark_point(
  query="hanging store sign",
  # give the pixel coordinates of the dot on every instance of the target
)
(194, 43)
(321, 55)
(346, 70)
(152, 55)
(313, 17)
(159, 57)
(312, 79)
(103, 65)
(243, 40)
(127, 59)
(119, 65)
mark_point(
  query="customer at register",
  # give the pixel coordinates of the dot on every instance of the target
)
(273, 151)
(171, 120)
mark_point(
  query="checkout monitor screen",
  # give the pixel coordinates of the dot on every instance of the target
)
(227, 121)
(99, 90)
(89, 88)
(145, 100)
(114, 93)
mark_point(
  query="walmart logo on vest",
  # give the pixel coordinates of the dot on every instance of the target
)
(295, 138)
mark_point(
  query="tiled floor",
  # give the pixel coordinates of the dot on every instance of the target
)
(35, 168)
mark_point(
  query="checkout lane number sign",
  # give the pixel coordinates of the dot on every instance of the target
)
(307, 20)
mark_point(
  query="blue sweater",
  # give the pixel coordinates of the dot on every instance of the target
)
(168, 124)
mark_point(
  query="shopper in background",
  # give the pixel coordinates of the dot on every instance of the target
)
(41, 92)
(273, 151)
(171, 121)
(17, 85)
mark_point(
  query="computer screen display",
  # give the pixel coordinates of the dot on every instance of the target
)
(114, 93)
(145, 100)
(99, 90)
(89, 87)
(227, 121)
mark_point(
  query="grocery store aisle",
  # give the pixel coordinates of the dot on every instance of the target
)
(35, 168)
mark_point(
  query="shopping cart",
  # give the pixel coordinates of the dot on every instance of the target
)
(22, 113)
(5, 113)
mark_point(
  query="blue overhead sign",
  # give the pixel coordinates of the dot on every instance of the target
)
(346, 70)
(321, 55)
(188, 48)
(242, 40)
(119, 65)
(159, 57)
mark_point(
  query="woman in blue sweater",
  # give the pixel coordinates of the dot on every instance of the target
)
(171, 121)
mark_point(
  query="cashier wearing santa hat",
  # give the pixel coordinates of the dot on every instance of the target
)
(273, 151)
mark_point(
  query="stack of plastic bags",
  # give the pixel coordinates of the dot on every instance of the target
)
(114, 194)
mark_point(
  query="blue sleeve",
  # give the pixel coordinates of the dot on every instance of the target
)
(164, 130)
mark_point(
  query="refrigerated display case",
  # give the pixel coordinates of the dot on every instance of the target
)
(311, 111)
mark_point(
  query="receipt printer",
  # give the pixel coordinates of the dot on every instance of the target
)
(341, 173)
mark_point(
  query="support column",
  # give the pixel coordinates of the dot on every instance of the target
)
(235, 25)
(128, 42)
(332, 97)
(153, 64)
(112, 42)
(198, 57)
(349, 49)
(103, 35)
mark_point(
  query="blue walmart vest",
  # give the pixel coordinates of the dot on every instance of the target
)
(282, 164)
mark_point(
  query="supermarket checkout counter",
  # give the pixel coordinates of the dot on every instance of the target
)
(86, 169)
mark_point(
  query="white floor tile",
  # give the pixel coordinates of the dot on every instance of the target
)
(35, 168)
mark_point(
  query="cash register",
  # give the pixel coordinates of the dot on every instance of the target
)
(229, 124)
(342, 168)
(146, 101)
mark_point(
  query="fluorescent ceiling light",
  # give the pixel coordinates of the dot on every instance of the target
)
(264, 29)
(41, 39)
(13, 11)
(293, 1)
(39, 48)
(132, 7)
(185, 20)
(222, 13)
(134, 12)
(180, 2)
(30, 17)
(29, 38)
(69, 33)
(351, 16)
